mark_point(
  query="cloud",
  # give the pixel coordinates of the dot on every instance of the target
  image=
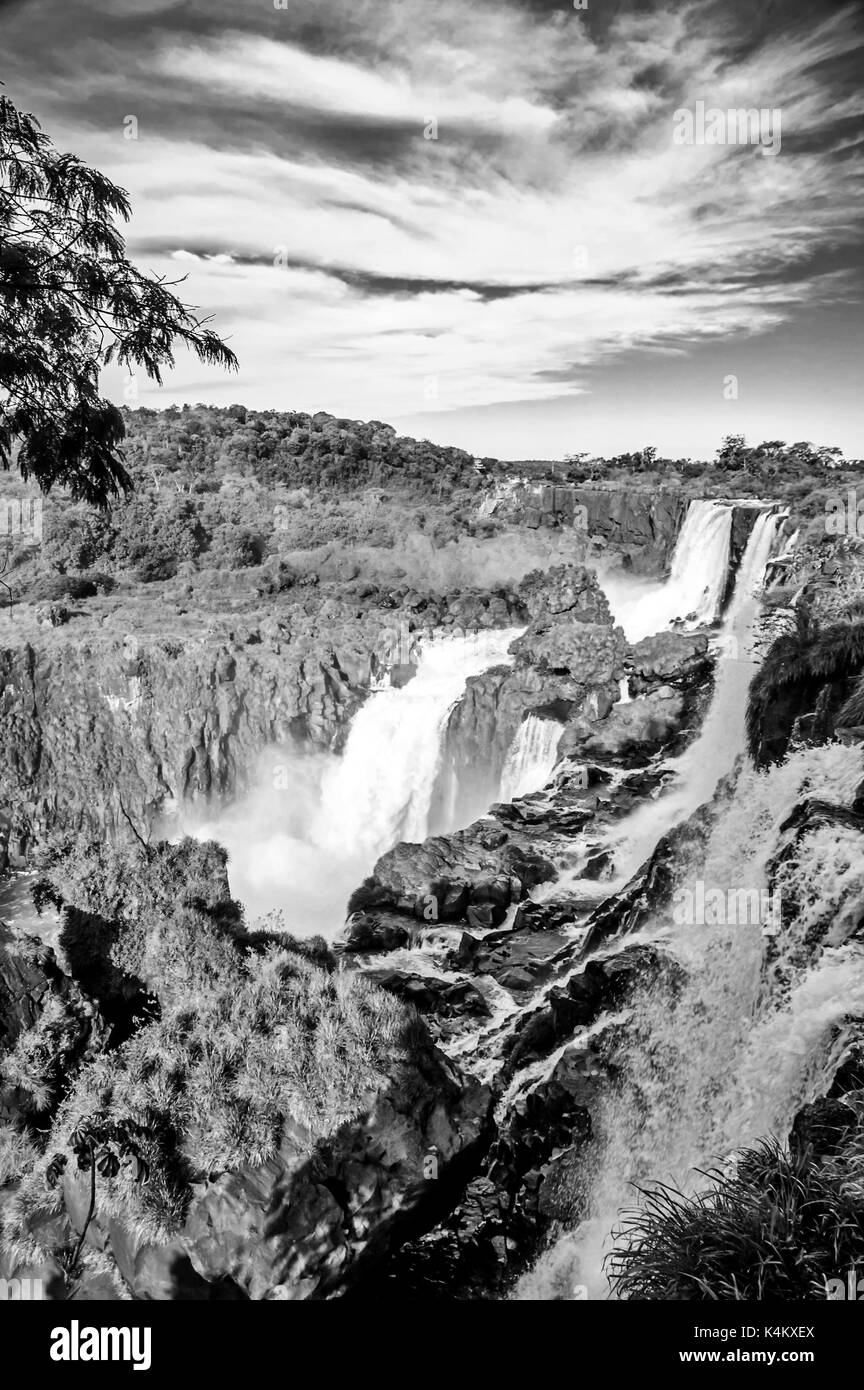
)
(388, 203)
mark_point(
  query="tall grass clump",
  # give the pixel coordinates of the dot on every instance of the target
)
(777, 1229)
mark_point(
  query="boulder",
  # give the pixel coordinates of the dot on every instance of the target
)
(632, 733)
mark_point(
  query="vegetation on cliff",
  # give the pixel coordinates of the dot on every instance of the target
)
(247, 1036)
(809, 684)
(779, 1228)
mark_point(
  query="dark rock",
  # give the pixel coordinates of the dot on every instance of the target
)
(431, 994)
(632, 733)
(674, 658)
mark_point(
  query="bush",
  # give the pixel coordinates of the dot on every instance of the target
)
(778, 1230)
(59, 586)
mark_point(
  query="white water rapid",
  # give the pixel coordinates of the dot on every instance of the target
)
(531, 757)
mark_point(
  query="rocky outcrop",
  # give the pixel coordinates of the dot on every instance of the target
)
(641, 525)
(470, 877)
(679, 659)
(567, 663)
(310, 1222)
(299, 1228)
(630, 735)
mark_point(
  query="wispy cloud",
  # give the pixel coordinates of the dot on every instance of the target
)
(394, 206)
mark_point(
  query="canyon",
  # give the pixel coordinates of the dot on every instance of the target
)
(469, 810)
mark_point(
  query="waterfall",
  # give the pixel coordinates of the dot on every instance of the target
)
(381, 789)
(721, 738)
(697, 578)
(531, 757)
(313, 827)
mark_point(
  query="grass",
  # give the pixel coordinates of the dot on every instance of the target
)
(777, 1229)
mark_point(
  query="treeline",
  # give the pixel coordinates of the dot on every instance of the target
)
(196, 448)
(772, 459)
(232, 489)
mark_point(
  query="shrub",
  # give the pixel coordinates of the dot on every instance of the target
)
(777, 1229)
(59, 586)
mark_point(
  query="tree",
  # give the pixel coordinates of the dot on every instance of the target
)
(71, 304)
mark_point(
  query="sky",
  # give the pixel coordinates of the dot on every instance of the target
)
(474, 218)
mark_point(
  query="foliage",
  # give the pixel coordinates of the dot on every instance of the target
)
(167, 917)
(799, 665)
(270, 1037)
(38, 1065)
(73, 303)
(778, 1228)
(102, 1146)
(254, 1034)
(774, 458)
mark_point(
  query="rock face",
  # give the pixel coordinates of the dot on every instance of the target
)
(568, 662)
(34, 991)
(631, 734)
(29, 978)
(680, 659)
(643, 526)
(553, 1057)
(472, 877)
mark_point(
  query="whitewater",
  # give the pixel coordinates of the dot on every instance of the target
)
(728, 1058)
(315, 824)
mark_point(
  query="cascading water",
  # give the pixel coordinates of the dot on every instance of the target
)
(696, 583)
(727, 1058)
(316, 823)
(721, 737)
(381, 790)
(531, 757)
